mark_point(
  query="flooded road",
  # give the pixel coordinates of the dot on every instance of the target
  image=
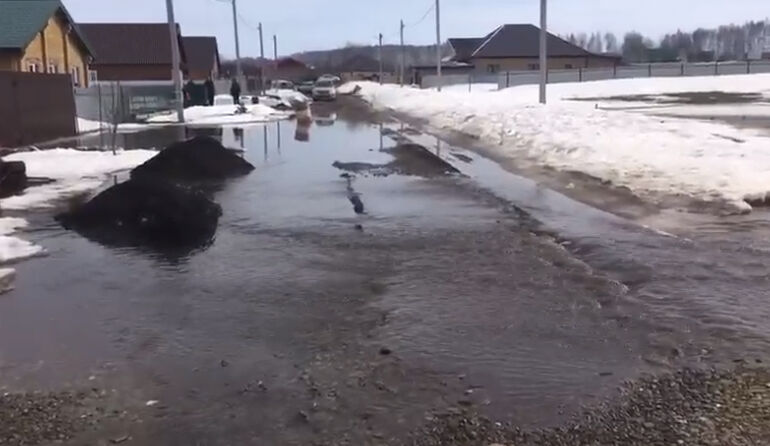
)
(309, 322)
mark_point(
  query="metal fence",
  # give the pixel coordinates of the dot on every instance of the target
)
(35, 107)
(468, 79)
(129, 101)
(513, 78)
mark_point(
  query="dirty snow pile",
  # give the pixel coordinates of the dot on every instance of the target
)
(222, 115)
(650, 155)
(74, 172)
(287, 96)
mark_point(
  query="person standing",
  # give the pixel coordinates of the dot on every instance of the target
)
(235, 91)
(209, 86)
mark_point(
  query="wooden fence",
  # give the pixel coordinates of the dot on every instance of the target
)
(35, 107)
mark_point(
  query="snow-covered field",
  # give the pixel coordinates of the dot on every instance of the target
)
(73, 172)
(222, 115)
(651, 155)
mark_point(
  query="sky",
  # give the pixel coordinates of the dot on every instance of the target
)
(322, 24)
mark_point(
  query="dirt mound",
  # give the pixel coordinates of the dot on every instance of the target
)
(198, 159)
(13, 177)
(146, 211)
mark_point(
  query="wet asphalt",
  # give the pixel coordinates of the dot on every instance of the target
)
(348, 305)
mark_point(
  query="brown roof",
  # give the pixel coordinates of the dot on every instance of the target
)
(465, 47)
(129, 43)
(524, 41)
(202, 52)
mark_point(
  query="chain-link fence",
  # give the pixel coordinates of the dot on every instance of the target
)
(119, 102)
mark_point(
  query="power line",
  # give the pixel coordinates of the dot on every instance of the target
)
(424, 16)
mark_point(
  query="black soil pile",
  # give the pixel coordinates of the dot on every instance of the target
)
(146, 211)
(13, 178)
(198, 159)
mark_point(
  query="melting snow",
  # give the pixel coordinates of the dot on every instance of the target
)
(648, 154)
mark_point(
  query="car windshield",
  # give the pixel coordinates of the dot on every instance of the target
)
(323, 84)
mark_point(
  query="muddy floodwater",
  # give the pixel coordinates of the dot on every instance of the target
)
(312, 319)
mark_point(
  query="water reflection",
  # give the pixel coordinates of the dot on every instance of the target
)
(238, 135)
(302, 131)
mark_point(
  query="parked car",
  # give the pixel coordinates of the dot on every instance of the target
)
(330, 77)
(324, 89)
(282, 85)
(306, 87)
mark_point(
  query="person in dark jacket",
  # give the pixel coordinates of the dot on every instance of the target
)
(235, 91)
(209, 85)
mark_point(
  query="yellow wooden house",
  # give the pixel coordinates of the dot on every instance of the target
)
(40, 36)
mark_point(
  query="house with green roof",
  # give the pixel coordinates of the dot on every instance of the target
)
(40, 36)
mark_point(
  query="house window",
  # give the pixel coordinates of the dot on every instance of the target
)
(76, 76)
(568, 66)
(52, 68)
(92, 76)
(493, 68)
(534, 66)
(32, 68)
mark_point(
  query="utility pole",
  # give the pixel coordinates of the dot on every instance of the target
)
(261, 45)
(543, 50)
(262, 61)
(379, 57)
(238, 70)
(176, 72)
(275, 48)
(438, 43)
(403, 54)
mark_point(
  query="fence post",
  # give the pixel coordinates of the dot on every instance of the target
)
(614, 71)
(748, 66)
(507, 79)
(580, 75)
(716, 68)
(649, 70)
(682, 71)
(470, 81)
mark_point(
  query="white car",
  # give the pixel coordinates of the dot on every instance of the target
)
(324, 89)
(282, 85)
(330, 77)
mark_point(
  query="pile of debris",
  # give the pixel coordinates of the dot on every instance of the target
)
(164, 205)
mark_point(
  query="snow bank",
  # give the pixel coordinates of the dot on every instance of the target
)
(223, 114)
(289, 95)
(7, 275)
(14, 249)
(9, 225)
(90, 126)
(652, 156)
(748, 83)
(74, 172)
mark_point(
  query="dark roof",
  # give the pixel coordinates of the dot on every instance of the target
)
(21, 20)
(202, 53)
(130, 43)
(524, 41)
(465, 47)
(361, 63)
